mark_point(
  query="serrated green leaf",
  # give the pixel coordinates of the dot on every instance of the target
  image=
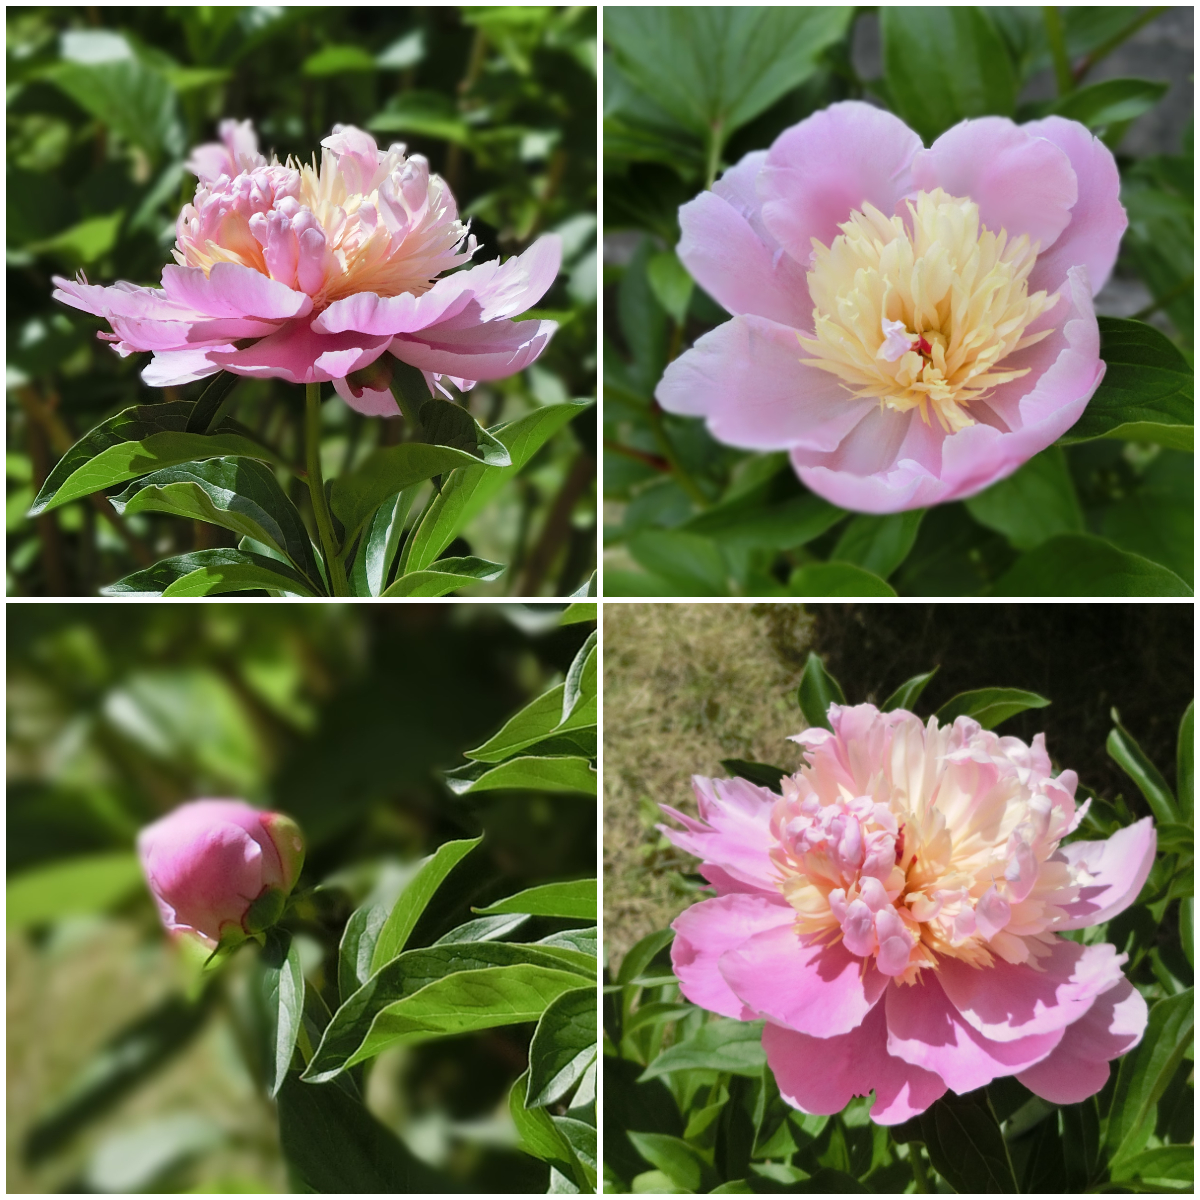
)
(989, 706)
(416, 895)
(574, 899)
(818, 690)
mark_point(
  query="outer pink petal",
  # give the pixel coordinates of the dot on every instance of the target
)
(1039, 407)
(1120, 866)
(747, 380)
(486, 351)
(121, 299)
(822, 1075)
(819, 990)
(735, 263)
(734, 833)
(297, 354)
(231, 290)
(925, 1029)
(157, 334)
(706, 930)
(371, 402)
(830, 164)
(1097, 221)
(173, 368)
(1008, 1001)
(1022, 183)
(1078, 1068)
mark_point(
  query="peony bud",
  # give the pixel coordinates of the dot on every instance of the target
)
(221, 869)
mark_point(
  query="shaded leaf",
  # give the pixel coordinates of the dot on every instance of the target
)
(1078, 564)
(283, 996)
(762, 774)
(558, 773)
(989, 706)
(818, 690)
(573, 899)
(734, 1047)
(446, 575)
(563, 1046)
(211, 572)
(908, 693)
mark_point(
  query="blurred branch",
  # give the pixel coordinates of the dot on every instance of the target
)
(661, 436)
(1058, 49)
(1106, 48)
(47, 524)
(651, 460)
(557, 528)
(1182, 288)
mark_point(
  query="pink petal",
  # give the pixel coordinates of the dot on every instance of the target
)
(736, 263)
(173, 368)
(486, 351)
(747, 380)
(297, 354)
(813, 989)
(1078, 1068)
(371, 402)
(1022, 183)
(822, 1075)
(157, 334)
(1120, 865)
(830, 164)
(1008, 1001)
(231, 290)
(121, 299)
(1098, 220)
(706, 930)
(925, 1029)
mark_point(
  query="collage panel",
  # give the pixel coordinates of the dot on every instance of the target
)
(898, 301)
(301, 898)
(345, 257)
(898, 898)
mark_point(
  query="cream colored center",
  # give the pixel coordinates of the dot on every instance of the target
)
(921, 315)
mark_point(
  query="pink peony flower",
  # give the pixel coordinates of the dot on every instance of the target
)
(911, 325)
(312, 274)
(219, 868)
(894, 917)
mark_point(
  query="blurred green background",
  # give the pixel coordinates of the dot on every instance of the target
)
(340, 715)
(103, 107)
(689, 92)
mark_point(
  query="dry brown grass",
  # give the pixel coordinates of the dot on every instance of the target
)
(685, 685)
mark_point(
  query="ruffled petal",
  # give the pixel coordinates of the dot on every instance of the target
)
(231, 290)
(1008, 1001)
(1078, 1067)
(485, 351)
(1119, 866)
(819, 990)
(706, 931)
(822, 1075)
(747, 380)
(297, 354)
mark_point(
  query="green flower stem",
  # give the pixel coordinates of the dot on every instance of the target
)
(715, 141)
(917, 1163)
(316, 489)
(685, 481)
(1058, 48)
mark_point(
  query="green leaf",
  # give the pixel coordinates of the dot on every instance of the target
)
(965, 1144)
(945, 64)
(1129, 756)
(1033, 504)
(132, 1055)
(1175, 1163)
(574, 899)
(818, 690)
(878, 544)
(836, 579)
(531, 725)
(426, 114)
(580, 685)
(380, 541)
(71, 887)
(687, 560)
(563, 1046)
(485, 929)
(643, 954)
(671, 284)
(908, 693)
(1146, 392)
(353, 497)
(538, 1133)
(446, 575)
(1078, 564)
(283, 997)
(1157, 525)
(1185, 761)
(331, 1143)
(557, 773)
(235, 493)
(758, 773)
(750, 522)
(465, 1002)
(582, 1138)
(358, 946)
(577, 614)
(134, 442)
(1145, 1072)
(81, 244)
(989, 706)
(415, 970)
(1107, 103)
(675, 1158)
(337, 60)
(415, 896)
(715, 69)
(734, 1047)
(209, 573)
(470, 488)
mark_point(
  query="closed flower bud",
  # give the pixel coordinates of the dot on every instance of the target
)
(221, 869)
